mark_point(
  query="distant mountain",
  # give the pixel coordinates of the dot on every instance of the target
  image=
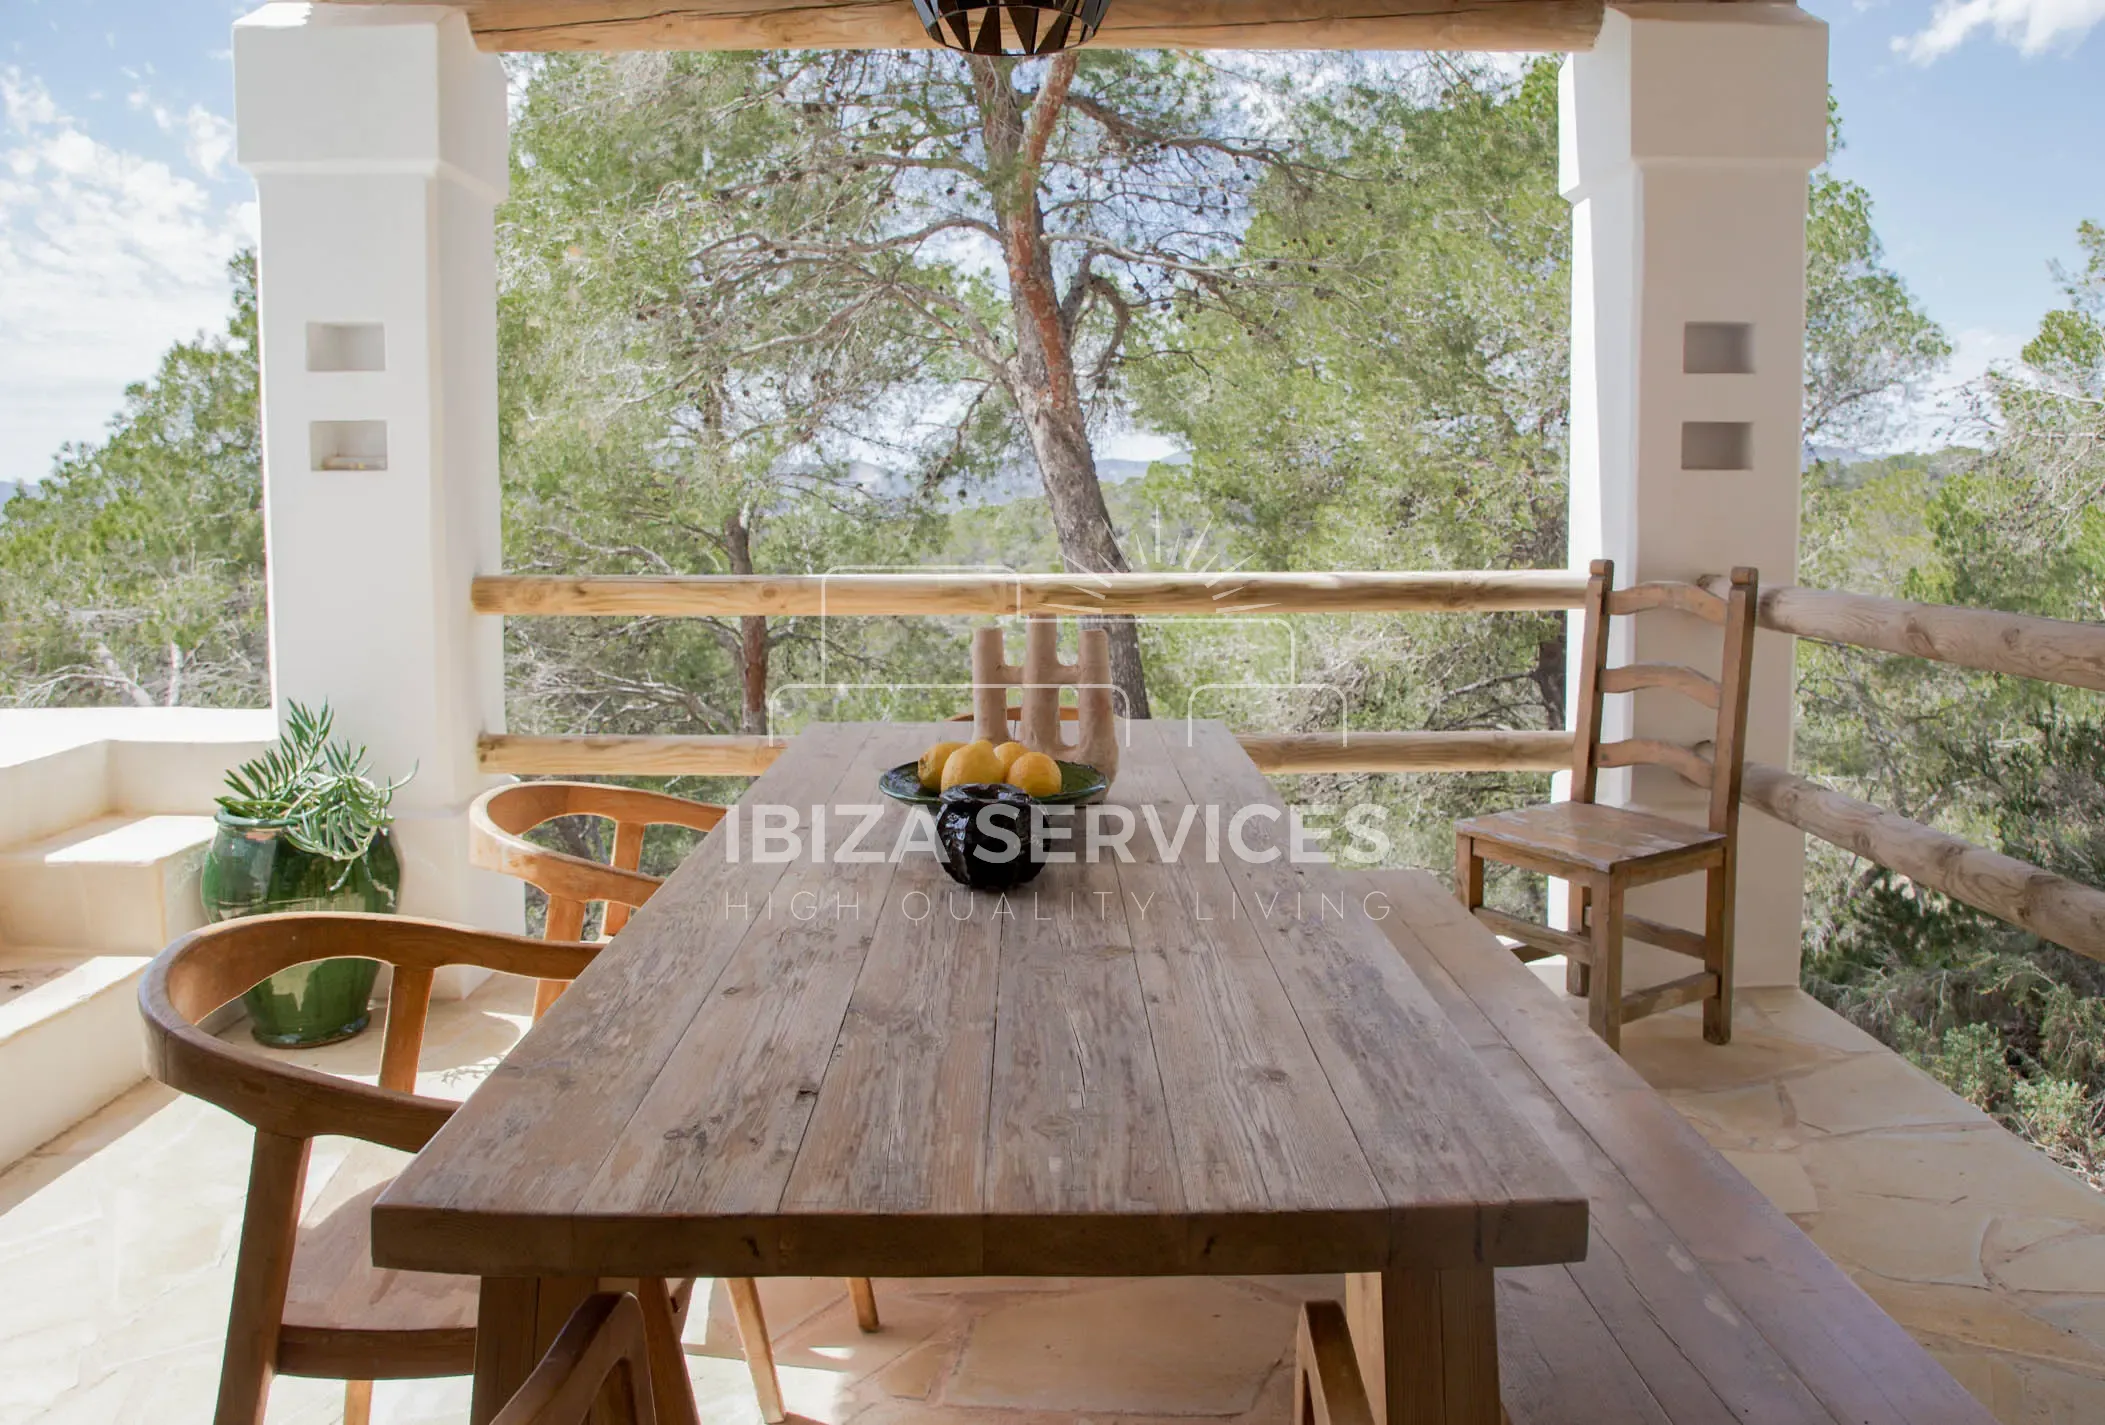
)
(7, 492)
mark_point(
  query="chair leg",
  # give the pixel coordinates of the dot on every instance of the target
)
(1717, 939)
(865, 1298)
(262, 1274)
(760, 1352)
(1468, 872)
(1577, 982)
(671, 1387)
(358, 1402)
(1604, 1003)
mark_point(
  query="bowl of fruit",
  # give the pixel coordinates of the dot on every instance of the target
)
(946, 765)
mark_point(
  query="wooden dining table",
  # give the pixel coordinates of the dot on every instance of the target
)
(1183, 1058)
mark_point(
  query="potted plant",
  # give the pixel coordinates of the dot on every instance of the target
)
(304, 827)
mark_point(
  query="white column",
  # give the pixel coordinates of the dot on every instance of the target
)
(377, 137)
(1687, 136)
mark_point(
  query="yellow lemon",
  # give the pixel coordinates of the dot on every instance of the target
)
(1008, 752)
(930, 770)
(974, 762)
(1036, 773)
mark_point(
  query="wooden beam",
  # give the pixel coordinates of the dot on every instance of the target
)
(1539, 938)
(2023, 645)
(1672, 995)
(642, 756)
(1691, 764)
(1666, 937)
(1301, 752)
(724, 595)
(618, 755)
(1131, 24)
(2050, 906)
(1669, 594)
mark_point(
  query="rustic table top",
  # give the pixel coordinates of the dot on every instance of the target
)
(1181, 1064)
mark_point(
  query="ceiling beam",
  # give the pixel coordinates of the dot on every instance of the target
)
(1131, 24)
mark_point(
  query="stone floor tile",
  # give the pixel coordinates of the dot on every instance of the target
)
(1667, 1049)
(1780, 1177)
(1794, 1014)
(1981, 1165)
(1752, 1118)
(1985, 1318)
(2073, 1264)
(1868, 1091)
(1902, 1238)
(1107, 1349)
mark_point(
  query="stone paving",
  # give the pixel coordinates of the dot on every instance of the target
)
(1990, 1255)
(117, 1240)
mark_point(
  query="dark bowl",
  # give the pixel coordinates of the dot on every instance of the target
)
(991, 835)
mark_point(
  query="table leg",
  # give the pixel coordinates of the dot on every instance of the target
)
(516, 1321)
(1427, 1343)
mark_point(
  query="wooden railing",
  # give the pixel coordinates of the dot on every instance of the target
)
(862, 595)
(1282, 753)
(2052, 650)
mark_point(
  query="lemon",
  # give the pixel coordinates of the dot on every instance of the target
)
(930, 770)
(1008, 752)
(974, 762)
(1036, 773)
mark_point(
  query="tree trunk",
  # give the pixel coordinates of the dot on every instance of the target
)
(1043, 382)
(752, 634)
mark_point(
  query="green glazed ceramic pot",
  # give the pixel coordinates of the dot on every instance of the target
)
(253, 870)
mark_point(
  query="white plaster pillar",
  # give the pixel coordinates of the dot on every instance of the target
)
(1687, 136)
(377, 137)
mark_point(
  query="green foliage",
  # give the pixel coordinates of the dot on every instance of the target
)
(1866, 341)
(1405, 408)
(320, 791)
(133, 572)
(2013, 1022)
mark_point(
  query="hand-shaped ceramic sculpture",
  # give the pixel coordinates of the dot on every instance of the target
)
(1041, 677)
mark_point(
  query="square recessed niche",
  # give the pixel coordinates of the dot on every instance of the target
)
(1717, 348)
(348, 445)
(1717, 445)
(346, 346)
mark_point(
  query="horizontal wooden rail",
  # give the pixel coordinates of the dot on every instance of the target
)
(861, 595)
(2050, 649)
(1285, 753)
(626, 755)
(2050, 906)
(632, 756)
(1132, 24)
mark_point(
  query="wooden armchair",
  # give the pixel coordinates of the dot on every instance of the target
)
(1602, 852)
(599, 1359)
(308, 1300)
(497, 824)
(501, 817)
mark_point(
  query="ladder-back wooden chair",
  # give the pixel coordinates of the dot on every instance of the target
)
(1603, 852)
(497, 824)
(308, 1300)
(597, 1370)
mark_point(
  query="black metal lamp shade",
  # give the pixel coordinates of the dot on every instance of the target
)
(1011, 27)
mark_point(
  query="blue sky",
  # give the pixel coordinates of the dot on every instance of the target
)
(1977, 125)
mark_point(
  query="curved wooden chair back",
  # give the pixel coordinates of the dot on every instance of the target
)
(501, 817)
(290, 1105)
(598, 1369)
(1725, 695)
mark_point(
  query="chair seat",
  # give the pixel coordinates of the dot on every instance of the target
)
(346, 1317)
(1586, 836)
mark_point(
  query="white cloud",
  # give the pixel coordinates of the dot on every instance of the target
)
(106, 258)
(208, 138)
(2033, 26)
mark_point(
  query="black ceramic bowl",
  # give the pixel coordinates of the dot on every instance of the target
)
(991, 835)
